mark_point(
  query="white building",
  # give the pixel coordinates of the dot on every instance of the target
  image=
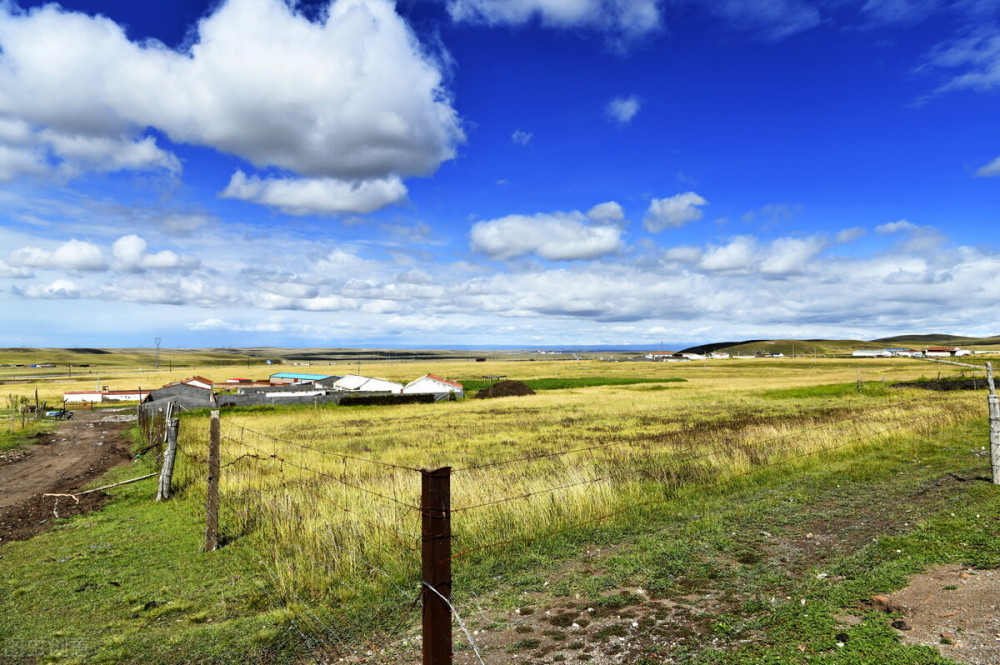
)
(718, 355)
(355, 383)
(434, 385)
(98, 396)
(872, 353)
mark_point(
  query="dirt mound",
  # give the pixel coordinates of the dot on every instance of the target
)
(945, 384)
(505, 389)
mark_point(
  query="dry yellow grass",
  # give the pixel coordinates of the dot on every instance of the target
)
(329, 519)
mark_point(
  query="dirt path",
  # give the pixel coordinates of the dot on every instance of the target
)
(954, 610)
(75, 454)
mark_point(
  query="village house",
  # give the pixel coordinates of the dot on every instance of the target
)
(435, 385)
(355, 383)
(97, 396)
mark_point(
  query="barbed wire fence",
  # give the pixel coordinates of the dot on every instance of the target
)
(269, 482)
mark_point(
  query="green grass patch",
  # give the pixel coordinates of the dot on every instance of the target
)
(13, 436)
(867, 389)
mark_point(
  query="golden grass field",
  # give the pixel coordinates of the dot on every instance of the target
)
(296, 478)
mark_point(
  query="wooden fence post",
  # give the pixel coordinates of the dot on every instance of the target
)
(212, 502)
(994, 402)
(167, 472)
(435, 509)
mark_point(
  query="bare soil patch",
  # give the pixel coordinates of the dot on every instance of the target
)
(63, 461)
(953, 609)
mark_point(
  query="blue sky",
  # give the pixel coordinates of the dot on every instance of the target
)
(497, 172)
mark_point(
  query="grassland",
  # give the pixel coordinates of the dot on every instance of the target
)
(320, 531)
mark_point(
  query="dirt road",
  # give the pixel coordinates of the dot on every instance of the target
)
(75, 454)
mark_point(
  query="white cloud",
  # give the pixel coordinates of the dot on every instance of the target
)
(78, 154)
(352, 96)
(773, 213)
(16, 162)
(902, 226)
(737, 256)
(14, 272)
(623, 20)
(72, 255)
(774, 19)
(673, 212)
(131, 256)
(180, 224)
(684, 254)
(58, 289)
(521, 137)
(849, 235)
(316, 196)
(789, 256)
(609, 212)
(917, 238)
(976, 56)
(622, 109)
(555, 236)
(989, 170)
(886, 12)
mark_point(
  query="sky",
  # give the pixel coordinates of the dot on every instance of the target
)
(438, 173)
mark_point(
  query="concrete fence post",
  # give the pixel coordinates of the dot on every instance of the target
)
(435, 509)
(994, 403)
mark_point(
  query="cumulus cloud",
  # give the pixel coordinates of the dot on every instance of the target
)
(673, 212)
(609, 212)
(349, 97)
(737, 256)
(521, 137)
(622, 109)
(790, 256)
(15, 162)
(623, 20)
(902, 226)
(554, 236)
(72, 255)
(684, 254)
(915, 238)
(58, 289)
(307, 196)
(130, 255)
(14, 272)
(989, 170)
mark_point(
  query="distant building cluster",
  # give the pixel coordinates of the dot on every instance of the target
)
(281, 388)
(929, 352)
(681, 356)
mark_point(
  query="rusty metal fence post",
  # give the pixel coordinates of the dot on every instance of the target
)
(212, 502)
(435, 509)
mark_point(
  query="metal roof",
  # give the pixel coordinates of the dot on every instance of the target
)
(306, 377)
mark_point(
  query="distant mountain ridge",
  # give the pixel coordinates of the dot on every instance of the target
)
(804, 347)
